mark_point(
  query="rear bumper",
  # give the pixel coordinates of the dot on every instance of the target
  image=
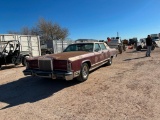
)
(50, 74)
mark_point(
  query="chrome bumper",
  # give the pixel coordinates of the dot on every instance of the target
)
(50, 74)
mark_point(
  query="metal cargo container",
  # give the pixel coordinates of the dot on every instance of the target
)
(29, 43)
(58, 45)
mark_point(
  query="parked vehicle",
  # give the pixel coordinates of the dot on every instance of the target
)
(117, 43)
(10, 53)
(74, 62)
(156, 39)
(132, 41)
(142, 44)
(125, 42)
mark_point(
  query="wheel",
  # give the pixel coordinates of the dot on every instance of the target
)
(24, 61)
(84, 73)
(138, 48)
(109, 62)
(17, 63)
(153, 47)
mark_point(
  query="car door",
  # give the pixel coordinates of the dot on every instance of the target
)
(105, 51)
(98, 54)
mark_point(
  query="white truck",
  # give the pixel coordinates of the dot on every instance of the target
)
(156, 39)
(142, 44)
(155, 42)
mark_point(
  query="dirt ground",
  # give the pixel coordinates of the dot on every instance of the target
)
(129, 89)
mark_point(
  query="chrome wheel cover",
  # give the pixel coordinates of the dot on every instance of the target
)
(85, 72)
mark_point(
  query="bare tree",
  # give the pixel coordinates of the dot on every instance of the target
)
(51, 31)
(25, 31)
(12, 32)
(47, 30)
(64, 33)
(35, 31)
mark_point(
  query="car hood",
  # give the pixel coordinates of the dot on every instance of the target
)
(64, 56)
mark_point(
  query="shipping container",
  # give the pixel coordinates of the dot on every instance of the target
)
(58, 46)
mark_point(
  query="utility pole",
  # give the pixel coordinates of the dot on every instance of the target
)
(117, 34)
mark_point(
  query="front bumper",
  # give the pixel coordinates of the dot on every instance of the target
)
(50, 74)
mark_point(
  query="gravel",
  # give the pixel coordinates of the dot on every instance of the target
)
(129, 89)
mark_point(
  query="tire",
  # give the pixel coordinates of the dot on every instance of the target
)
(153, 47)
(138, 48)
(17, 64)
(84, 73)
(16, 61)
(109, 62)
(0, 66)
(24, 61)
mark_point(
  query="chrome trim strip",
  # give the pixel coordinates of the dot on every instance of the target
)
(97, 66)
(100, 62)
(51, 74)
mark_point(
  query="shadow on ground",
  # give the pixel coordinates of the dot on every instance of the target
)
(134, 51)
(134, 58)
(30, 89)
(10, 67)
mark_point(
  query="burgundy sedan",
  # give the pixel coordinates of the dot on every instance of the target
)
(74, 62)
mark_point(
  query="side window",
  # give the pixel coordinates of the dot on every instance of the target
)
(97, 47)
(103, 47)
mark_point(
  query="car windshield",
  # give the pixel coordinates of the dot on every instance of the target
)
(80, 47)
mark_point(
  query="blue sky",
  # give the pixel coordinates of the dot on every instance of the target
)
(92, 19)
